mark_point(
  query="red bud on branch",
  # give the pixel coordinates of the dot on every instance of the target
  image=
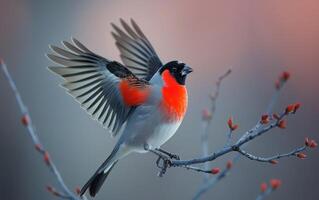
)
(230, 124)
(46, 158)
(290, 108)
(38, 147)
(282, 124)
(307, 141)
(50, 188)
(53, 191)
(275, 183)
(313, 144)
(296, 107)
(229, 164)
(285, 76)
(25, 120)
(264, 119)
(78, 190)
(263, 187)
(301, 155)
(206, 115)
(274, 162)
(310, 143)
(215, 170)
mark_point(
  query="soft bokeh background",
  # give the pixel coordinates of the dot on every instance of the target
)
(258, 39)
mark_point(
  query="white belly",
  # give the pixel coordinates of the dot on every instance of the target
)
(162, 134)
(147, 127)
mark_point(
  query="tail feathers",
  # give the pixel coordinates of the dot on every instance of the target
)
(97, 180)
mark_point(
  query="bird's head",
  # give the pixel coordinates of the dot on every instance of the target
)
(177, 70)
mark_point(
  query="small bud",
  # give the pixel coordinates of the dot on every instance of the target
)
(206, 115)
(274, 162)
(25, 120)
(77, 190)
(285, 76)
(264, 119)
(234, 127)
(46, 158)
(301, 155)
(275, 116)
(275, 183)
(38, 147)
(310, 143)
(290, 108)
(282, 124)
(215, 170)
(229, 164)
(263, 187)
(296, 107)
(230, 124)
(53, 191)
(50, 188)
(307, 141)
(313, 144)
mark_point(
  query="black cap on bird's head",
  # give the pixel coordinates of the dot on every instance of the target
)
(178, 70)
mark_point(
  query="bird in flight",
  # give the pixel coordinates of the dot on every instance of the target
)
(142, 100)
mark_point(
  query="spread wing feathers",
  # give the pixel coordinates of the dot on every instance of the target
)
(137, 53)
(93, 81)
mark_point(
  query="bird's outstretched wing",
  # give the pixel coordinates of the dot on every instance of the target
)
(137, 53)
(106, 89)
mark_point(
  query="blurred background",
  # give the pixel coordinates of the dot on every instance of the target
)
(257, 39)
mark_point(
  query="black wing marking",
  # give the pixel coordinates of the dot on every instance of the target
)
(137, 53)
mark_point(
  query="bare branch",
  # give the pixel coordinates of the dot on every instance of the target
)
(27, 122)
(272, 158)
(279, 85)
(213, 181)
(208, 116)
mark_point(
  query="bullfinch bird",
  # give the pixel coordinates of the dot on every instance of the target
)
(142, 100)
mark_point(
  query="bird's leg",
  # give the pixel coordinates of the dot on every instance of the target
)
(161, 155)
(172, 156)
(166, 162)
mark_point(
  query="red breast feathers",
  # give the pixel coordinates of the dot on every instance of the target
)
(174, 98)
(133, 94)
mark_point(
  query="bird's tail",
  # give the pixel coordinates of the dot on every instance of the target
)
(96, 181)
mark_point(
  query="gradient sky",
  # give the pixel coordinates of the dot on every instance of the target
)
(257, 39)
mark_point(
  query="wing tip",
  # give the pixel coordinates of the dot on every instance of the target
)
(54, 69)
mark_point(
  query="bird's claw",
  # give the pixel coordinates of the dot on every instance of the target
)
(174, 156)
(166, 163)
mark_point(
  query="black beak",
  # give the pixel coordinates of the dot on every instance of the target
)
(186, 70)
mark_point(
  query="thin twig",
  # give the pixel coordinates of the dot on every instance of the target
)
(272, 158)
(26, 120)
(208, 120)
(263, 195)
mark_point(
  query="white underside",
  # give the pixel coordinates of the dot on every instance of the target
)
(162, 134)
